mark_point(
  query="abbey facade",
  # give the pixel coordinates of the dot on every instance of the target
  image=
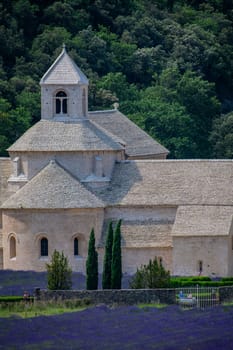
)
(76, 170)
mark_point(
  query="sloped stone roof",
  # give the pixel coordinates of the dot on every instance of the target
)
(64, 71)
(82, 135)
(196, 220)
(53, 188)
(171, 182)
(140, 235)
(138, 143)
(5, 172)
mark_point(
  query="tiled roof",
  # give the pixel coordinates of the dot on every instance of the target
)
(139, 234)
(5, 172)
(196, 220)
(64, 71)
(60, 136)
(171, 182)
(138, 143)
(53, 188)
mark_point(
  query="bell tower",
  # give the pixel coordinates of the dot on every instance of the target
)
(64, 91)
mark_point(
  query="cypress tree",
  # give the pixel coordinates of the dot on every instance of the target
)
(106, 281)
(92, 264)
(116, 258)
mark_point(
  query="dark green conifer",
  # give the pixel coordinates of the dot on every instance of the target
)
(106, 280)
(116, 258)
(92, 264)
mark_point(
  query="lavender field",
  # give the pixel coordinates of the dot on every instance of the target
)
(16, 282)
(119, 328)
(105, 328)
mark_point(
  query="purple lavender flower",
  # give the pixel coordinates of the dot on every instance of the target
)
(126, 327)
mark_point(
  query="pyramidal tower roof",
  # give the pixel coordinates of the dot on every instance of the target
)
(64, 71)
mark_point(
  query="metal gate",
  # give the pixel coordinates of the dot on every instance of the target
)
(197, 297)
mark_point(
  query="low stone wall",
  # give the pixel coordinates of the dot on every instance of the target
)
(225, 294)
(123, 296)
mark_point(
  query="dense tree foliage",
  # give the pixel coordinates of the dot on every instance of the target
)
(92, 264)
(169, 64)
(152, 275)
(59, 272)
(222, 136)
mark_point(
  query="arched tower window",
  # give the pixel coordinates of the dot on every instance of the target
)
(76, 246)
(61, 102)
(44, 247)
(12, 247)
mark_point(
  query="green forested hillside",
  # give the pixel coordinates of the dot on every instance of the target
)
(168, 63)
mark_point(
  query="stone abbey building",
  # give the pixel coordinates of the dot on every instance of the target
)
(76, 170)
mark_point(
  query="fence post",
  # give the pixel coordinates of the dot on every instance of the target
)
(198, 296)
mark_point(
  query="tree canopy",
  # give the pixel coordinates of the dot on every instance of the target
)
(168, 63)
(59, 272)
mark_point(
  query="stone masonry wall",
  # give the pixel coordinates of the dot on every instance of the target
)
(123, 296)
(225, 294)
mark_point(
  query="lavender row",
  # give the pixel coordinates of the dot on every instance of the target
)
(122, 328)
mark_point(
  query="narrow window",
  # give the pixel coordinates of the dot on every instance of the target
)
(200, 266)
(44, 247)
(76, 246)
(84, 102)
(61, 103)
(12, 247)
(232, 242)
(58, 106)
(64, 106)
(160, 260)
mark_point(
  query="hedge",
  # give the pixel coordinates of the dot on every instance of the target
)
(177, 283)
(14, 299)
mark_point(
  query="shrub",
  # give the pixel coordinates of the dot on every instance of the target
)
(59, 272)
(180, 282)
(11, 299)
(152, 275)
(187, 281)
(227, 279)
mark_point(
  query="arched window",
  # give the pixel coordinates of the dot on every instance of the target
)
(12, 247)
(44, 247)
(61, 103)
(76, 246)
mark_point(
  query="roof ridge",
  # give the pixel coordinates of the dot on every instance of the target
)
(59, 136)
(115, 138)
